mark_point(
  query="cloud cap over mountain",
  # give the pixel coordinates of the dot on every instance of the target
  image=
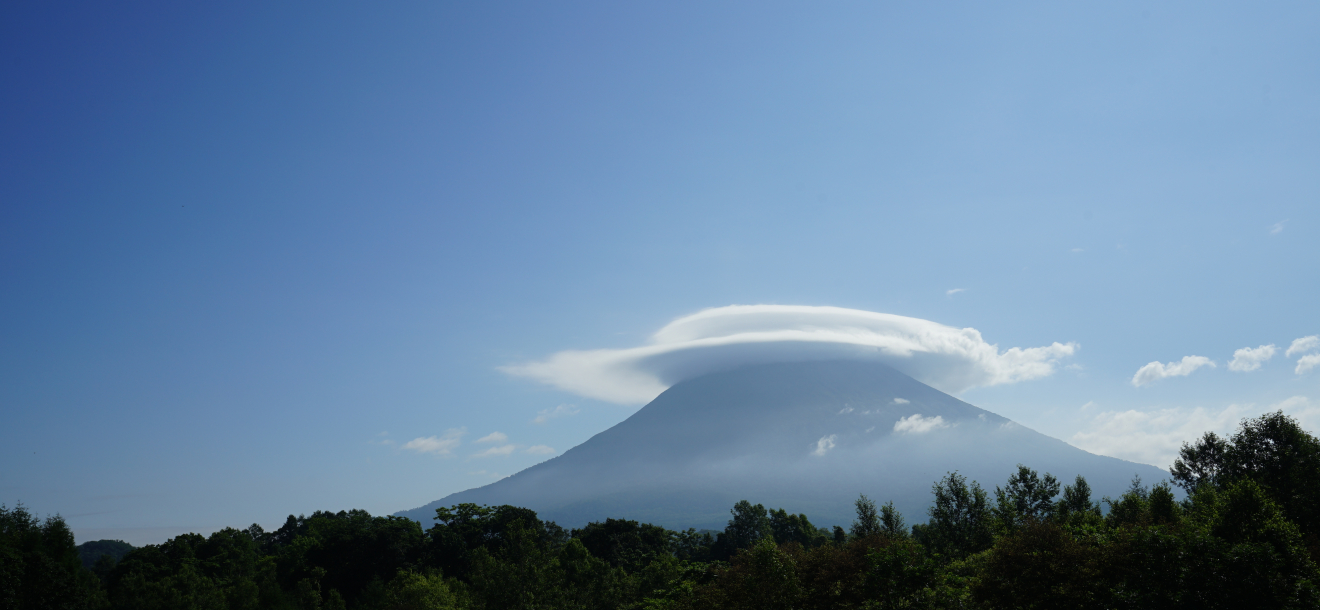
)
(722, 338)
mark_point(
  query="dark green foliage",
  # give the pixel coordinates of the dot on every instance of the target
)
(868, 518)
(1272, 450)
(1239, 540)
(788, 528)
(1199, 462)
(960, 520)
(1026, 497)
(461, 530)
(93, 551)
(750, 523)
(1075, 508)
(39, 564)
(892, 523)
(624, 544)
(693, 545)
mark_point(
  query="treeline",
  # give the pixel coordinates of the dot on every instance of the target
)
(1244, 536)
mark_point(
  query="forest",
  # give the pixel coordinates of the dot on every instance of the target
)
(1236, 527)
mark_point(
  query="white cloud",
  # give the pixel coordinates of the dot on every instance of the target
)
(545, 415)
(824, 444)
(493, 437)
(1154, 437)
(1156, 371)
(845, 410)
(442, 445)
(1249, 359)
(901, 401)
(540, 450)
(1306, 363)
(1277, 228)
(1076, 250)
(954, 291)
(916, 424)
(950, 359)
(1303, 345)
(496, 451)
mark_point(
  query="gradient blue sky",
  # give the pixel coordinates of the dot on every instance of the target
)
(248, 251)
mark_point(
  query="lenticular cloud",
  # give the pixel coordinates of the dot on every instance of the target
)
(722, 338)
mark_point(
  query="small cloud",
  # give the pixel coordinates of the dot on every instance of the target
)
(1307, 362)
(1088, 405)
(1076, 250)
(845, 410)
(441, 445)
(1156, 371)
(546, 415)
(868, 430)
(1250, 359)
(824, 444)
(496, 451)
(540, 450)
(1303, 345)
(1073, 367)
(916, 424)
(493, 437)
(1277, 227)
(954, 291)
(901, 401)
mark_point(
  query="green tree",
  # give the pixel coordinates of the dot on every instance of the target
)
(40, 566)
(750, 523)
(868, 518)
(892, 523)
(1026, 497)
(960, 519)
(1199, 462)
(625, 544)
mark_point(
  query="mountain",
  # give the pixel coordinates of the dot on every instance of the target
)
(805, 436)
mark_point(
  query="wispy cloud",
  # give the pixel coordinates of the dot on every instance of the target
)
(1277, 227)
(1306, 363)
(947, 358)
(1250, 359)
(1303, 345)
(546, 415)
(540, 450)
(1156, 371)
(954, 291)
(916, 424)
(824, 444)
(493, 437)
(439, 445)
(901, 401)
(1076, 250)
(496, 451)
(1154, 437)
(845, 410)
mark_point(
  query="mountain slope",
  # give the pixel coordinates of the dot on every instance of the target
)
(807, 436)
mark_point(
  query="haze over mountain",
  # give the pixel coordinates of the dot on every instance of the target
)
(805, 436)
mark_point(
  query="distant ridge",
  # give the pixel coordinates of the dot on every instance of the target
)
(806, 436)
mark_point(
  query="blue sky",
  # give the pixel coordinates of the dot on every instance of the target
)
(248, 252)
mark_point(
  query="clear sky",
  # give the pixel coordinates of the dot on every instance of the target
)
(249, 252)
